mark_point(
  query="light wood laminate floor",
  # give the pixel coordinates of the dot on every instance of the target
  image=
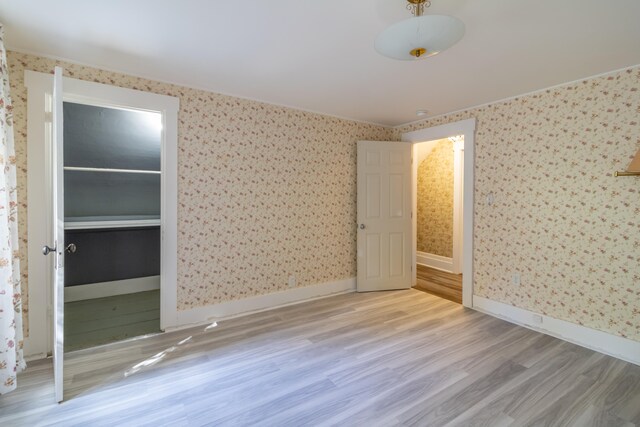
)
(374, 359)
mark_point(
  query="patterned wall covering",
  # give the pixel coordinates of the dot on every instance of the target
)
(560, 218)
(264, 191)
(435, 201)
(268, 191)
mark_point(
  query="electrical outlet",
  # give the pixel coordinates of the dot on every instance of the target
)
(516, 279)
(292, 281)
(491, 199)
(537, 319)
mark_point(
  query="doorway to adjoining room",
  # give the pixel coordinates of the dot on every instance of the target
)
(438, 176)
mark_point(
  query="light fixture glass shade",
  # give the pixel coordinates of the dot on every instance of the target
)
(419, 37)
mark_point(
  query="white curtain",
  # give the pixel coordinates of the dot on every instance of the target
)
(11, 358)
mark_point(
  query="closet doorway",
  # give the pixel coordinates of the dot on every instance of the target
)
(102, 197)
(112, 194)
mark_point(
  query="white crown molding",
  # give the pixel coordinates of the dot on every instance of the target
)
(511, 98)
(194, 87)
(390, 127)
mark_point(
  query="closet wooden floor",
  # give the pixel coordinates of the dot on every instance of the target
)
(99, 321)
(439, 283)
(383, 359)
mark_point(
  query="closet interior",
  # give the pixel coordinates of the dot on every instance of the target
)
(112, 199)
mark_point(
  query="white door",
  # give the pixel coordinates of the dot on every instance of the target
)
(384, 216)
(57, 249)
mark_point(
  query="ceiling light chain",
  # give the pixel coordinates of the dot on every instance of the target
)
(417, 7)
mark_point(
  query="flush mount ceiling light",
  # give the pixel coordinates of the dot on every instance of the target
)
(421, 36)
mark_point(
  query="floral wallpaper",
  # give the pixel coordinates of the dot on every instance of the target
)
(560, 218)
(435, 201)
(265, 192)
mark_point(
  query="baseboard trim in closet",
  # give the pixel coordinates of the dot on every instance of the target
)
(110, 289)
(242, 307)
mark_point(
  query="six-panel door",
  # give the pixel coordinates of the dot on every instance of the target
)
(384, 216)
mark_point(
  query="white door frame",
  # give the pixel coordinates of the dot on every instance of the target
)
(466, 128)
(38, 85)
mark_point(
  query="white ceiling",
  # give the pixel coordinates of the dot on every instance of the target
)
(318, 55)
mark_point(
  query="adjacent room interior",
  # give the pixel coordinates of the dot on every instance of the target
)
(400, 212)
(439, 212)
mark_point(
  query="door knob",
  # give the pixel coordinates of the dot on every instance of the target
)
(71, 248)
(361, 226)
(46, 250)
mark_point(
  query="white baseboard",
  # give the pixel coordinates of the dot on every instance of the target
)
(237, 308)
(603, 342)
(435, 261)
(31, 357)
(109, 289)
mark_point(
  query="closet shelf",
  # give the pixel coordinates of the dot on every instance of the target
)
(94, 225)
(79, 169)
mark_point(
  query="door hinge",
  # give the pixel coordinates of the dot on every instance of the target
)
(48, 116)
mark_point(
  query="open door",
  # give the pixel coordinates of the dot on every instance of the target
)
(57, 233)
(384, 216)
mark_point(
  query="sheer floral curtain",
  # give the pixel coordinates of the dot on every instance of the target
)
(11, 358)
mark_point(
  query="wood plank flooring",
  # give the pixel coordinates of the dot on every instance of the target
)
(93, 322)
(439, 283)
(373, 359)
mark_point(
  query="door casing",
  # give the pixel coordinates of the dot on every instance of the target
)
(467, 128)
(38, 344)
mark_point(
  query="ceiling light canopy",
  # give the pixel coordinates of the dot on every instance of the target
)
(421, 36)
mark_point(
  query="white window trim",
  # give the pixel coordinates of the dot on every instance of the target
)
(39, 87)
